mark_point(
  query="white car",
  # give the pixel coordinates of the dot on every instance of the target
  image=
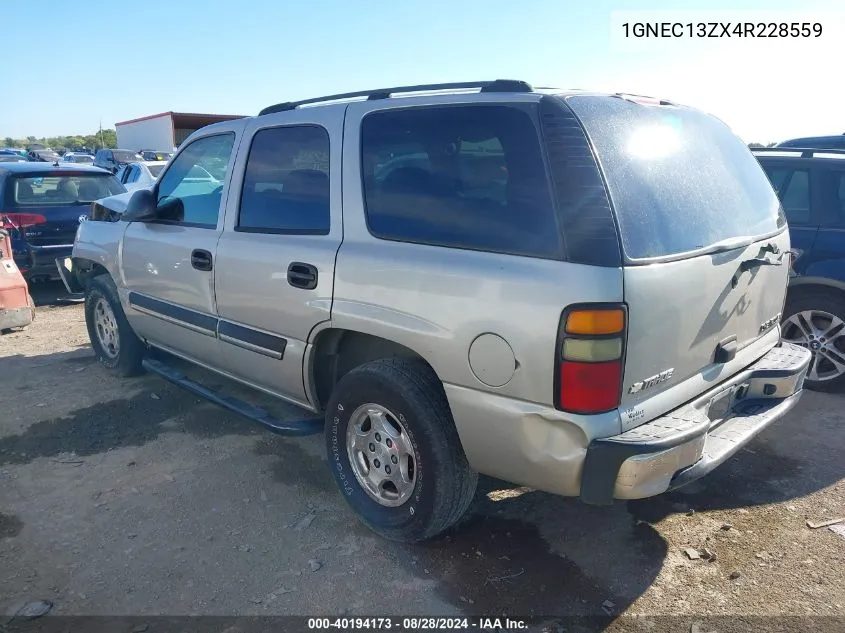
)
(78, 157)
(140, 174)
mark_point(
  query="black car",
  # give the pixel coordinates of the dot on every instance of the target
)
(815, 142)
(112, 159)
(152, 155)
(43, 155)
(46, 203)
(811, 187)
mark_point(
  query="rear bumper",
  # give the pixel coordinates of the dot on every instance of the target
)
(691, 441)
(40, 261)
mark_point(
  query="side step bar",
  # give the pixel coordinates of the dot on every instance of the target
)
(256, 414)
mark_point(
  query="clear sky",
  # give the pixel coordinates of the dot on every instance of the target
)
(85, 61)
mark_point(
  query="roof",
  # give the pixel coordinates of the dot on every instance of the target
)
(33, 167)
(826, 137)
(185, 115)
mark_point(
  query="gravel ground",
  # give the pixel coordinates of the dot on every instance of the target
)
(132, 497)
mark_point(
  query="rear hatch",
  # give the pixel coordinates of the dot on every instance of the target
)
(62, 199)
(704, 244)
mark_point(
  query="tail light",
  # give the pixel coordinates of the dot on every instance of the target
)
(590, 358)
(20, 220)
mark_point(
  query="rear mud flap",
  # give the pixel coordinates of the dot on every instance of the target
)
(68, 275)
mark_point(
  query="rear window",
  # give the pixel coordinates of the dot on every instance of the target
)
(679, 180)
(468, 177)
(54, 190)
(155, 170)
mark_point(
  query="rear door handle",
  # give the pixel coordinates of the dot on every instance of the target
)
(301, 275)
(201, 259)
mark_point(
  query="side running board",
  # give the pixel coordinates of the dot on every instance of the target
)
(256, 414)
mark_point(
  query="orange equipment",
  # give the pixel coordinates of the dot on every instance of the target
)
(17, 309)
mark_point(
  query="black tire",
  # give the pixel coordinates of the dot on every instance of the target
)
(131, 350)
(821, 300)
(444, 482)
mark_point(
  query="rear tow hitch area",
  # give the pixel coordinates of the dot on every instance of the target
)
(689, 442)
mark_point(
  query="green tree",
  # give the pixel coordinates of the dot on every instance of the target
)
(96, 140)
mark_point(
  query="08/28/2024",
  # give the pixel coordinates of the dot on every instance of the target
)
(386, 623)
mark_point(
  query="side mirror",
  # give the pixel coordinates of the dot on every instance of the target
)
(141, 207)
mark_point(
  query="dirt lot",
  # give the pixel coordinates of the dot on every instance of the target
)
(132, 497)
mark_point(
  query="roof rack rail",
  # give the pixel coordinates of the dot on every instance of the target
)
(646, 99)
(496, 85)
(806, 152)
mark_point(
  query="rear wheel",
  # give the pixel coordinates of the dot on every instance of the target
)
(394, 450)
(115, 343)
(815, 319)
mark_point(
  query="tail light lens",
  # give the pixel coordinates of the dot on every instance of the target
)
(20, 220)
(590, 359)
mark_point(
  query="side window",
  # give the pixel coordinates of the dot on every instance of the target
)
(131, 173)
(188, 191)
(796, 198)
(839, 195)
(286, 183)
(468, 177)
(777, 176)
(831, 187)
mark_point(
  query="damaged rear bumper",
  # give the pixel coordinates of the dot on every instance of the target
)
(689, 442)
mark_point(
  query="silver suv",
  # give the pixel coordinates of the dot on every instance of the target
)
(579, 293)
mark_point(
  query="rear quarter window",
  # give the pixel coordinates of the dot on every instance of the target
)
(470, 177)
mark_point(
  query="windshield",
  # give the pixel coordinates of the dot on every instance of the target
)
(155, 170)
(679, 180)
(61, 190)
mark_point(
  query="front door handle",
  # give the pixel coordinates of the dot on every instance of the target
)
(201, 259)
(301, 275)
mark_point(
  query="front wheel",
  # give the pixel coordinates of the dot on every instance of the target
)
(394, 451)
(815, 319)
(115, 343)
